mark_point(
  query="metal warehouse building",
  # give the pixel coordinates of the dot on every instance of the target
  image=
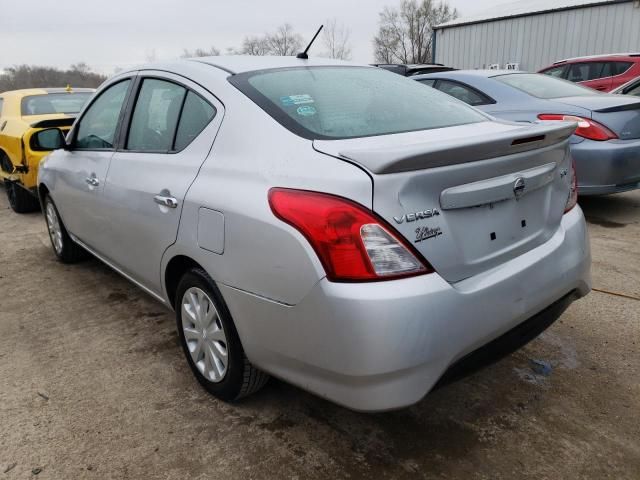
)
(532, 34)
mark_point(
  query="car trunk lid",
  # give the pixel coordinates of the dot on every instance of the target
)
(619, 113)
(468, 197)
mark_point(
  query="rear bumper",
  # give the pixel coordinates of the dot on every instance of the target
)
(607, 167)
(382, 346)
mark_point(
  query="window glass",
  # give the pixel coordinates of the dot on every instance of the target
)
(97, 128)
(618, 68)
(543, 86)
(196, 114)
(155, 116)
(633, 90)
(557, 72)
(462, 92)
(1, 102)
(54, 103)
(429, 82)
(349, 102)
(582, 72)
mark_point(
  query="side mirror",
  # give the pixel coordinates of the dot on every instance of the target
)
(46, 140)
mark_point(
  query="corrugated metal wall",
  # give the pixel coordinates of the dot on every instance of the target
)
(539, 40)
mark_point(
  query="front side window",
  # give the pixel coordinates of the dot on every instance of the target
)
(462, 92)
(97, 127)
(582, 72)
(350, 102)
(45, 104)
(155, 116)
(543, 86)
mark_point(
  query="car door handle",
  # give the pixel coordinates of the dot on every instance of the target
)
(166, 201)
(93, 181)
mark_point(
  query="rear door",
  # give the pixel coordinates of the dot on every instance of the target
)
(594, 75)
(170, 131)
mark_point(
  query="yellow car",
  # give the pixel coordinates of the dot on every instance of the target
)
(22, 113)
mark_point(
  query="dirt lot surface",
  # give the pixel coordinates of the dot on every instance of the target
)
(93, 385)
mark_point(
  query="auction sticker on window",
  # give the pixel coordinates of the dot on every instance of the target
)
(306, 110)
(291, 100)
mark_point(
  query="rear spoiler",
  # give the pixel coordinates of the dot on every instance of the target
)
(620, 108)
(54, 123)
(418, 156)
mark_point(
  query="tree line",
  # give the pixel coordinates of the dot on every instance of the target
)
(404, 35)
(29, 76)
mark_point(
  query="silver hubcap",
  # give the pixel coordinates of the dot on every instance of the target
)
(204, 334)
(53, 224)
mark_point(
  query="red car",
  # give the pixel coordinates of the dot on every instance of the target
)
(600, 72)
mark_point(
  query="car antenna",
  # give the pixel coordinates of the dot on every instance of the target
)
(303, 55)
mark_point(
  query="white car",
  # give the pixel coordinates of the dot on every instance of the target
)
(335, 225)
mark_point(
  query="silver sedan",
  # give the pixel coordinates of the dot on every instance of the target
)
(334, 225)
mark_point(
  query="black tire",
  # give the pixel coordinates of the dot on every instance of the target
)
(69, 251)
(20, 199)
(241, 377)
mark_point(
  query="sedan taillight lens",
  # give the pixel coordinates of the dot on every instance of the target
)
(353, 244)
(587, 128)
(573, 185)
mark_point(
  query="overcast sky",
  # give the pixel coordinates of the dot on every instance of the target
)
(119, 33)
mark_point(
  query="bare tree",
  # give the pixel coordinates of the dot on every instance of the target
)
(335, 38)
(284, 41)
(200, 52)
(405, 33)
(255, 46)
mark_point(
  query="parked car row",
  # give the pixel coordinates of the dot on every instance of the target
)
(346, 229)
(23, 113)
(606, 144)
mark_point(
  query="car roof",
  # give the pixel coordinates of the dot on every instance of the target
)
(235, 64)
(461, 73)
(609, 56)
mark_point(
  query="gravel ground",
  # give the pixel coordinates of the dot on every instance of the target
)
(94, 385)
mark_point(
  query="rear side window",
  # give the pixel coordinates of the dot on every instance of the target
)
(616, 68)
(155, 116)
(463, 92)
(543, 86)
(1, 103)
(349, 102)
(196, 115)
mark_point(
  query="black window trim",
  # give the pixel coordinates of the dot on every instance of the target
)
(241, 82)
(489, 100)
(73, 135)
(121, 146)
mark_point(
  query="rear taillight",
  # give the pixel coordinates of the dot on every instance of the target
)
(587, 128)
(352, 243)
(573, 185)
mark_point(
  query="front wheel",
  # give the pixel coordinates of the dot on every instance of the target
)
(64, 247)
(210, 340)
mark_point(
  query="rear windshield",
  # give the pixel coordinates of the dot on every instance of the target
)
(544, 86)
(54, 103)
(347, 102)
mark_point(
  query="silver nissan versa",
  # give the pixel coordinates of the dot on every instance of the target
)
(334, 225)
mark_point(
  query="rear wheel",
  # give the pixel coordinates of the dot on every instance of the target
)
(20, 200)
(210, 340)
(64, 247)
